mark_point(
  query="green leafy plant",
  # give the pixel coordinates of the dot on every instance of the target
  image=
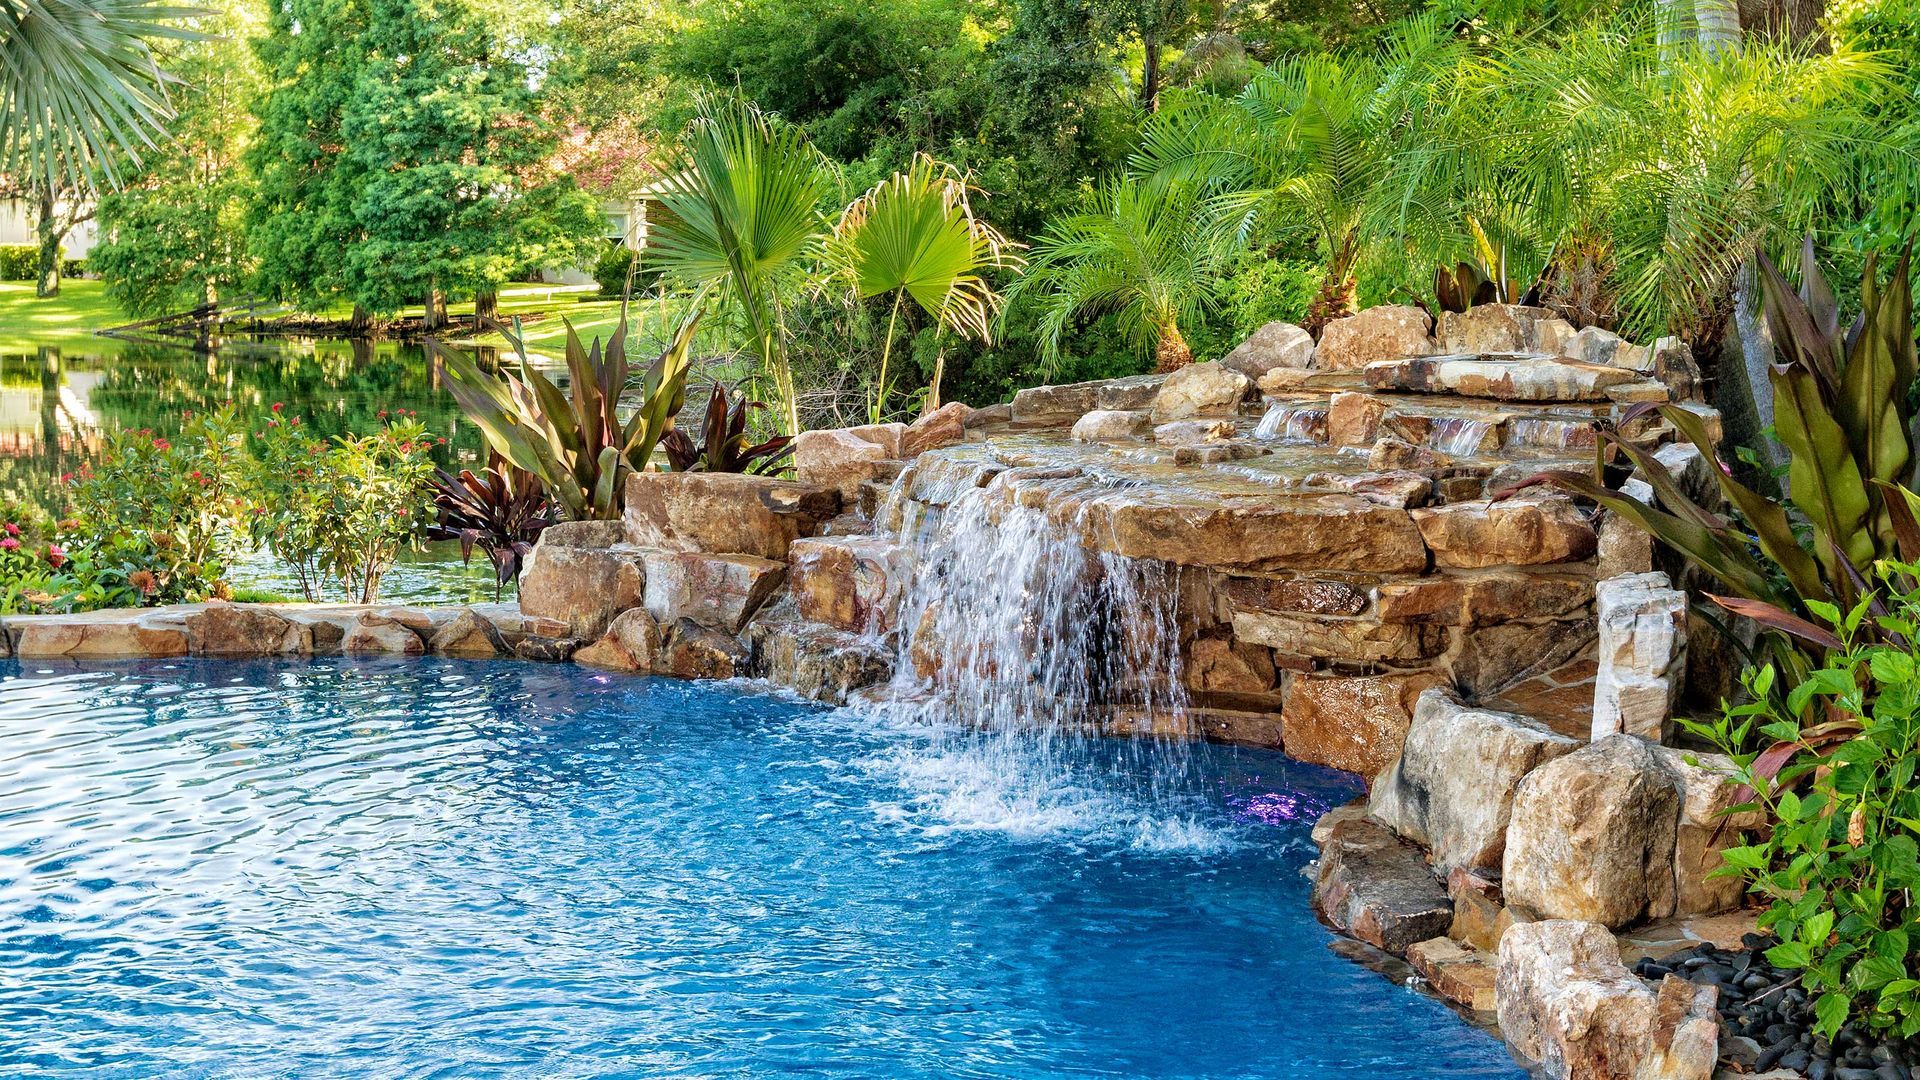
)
(741, 194)
(502, 510)
(575, 441)
(1841, 864)
(724, 444)
(1841, 408)
(915, 235)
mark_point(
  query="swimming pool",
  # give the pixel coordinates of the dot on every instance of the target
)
(437, 868)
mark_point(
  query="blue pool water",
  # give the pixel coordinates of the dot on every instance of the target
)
(474, 869)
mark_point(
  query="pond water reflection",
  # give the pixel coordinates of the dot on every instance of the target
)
(59, 404)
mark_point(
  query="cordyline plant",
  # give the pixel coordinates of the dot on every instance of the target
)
(1841, 410)
(575, 441)
(502, 510)
(724, 445)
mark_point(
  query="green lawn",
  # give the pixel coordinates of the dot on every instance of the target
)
(70, 318)
(82, 307)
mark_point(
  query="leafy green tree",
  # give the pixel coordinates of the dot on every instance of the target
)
(301, 222)
(453, 157)
(173, 235)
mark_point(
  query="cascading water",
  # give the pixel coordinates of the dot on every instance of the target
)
(1293, 423)
(1459, 436)
(1551, 433)
(1017, 646)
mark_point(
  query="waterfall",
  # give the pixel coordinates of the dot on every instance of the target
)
(1459, 436)
(1293, 423)
(1549, 433)
(1017, 644)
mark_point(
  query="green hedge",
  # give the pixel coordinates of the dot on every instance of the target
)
(18, 262)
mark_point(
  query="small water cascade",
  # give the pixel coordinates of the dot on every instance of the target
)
(1023, 646)
(1460, 436)
(1551, 433)
(1289, 422)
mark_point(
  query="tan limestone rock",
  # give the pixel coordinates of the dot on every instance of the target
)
(1707, 792)
(468, 635)
(1328, 532)
(1357, 640)
(223, 629)
(582, 587)
(1056, 404)
(717, 591)
(375, 634)
(1209, 389)
(121, 634)
(1275, 345)
(632, 644)
(1305, 595)
(1462, 975)
(1452, 787)
(818, 661)
(1523, 531)
(1491, 328)
(1106, 425)
(942, 427)
(1592, 836)
(842, 459)
(1353, 418)
(1133, 393)
(1377, 887)
(724, 513)
(1643, 655)
(1480, 918)
(1351, 722)
(1193, 432)
(850, 583)
(1388, 332)
(1223, 666)
(697, 652)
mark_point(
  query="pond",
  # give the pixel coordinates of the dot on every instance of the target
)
(59, 404)
(484, 868)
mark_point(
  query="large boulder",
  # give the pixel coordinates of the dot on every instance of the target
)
(1592, 836)
(720, 592)
(1524, 531)
(632, 643)
(230, 630)
(1377, 887)
(1316, 532)
(699, 652)
(1388, 332)
(1275, 345)
(583, 587)
(724, 513)
(119, 634)
(375, 633)
(1057, 404)
(1493, 328)
(468, 634)
(1210, 389)
(1132, 393)
(1520, 378)
(1106, 425)
(845, 458)
(818, 661)
(1351, 722)
(851, 583)
(1707, 793)
(1592, 345)
(1353, 419)
(942, 427)
(1452, 787)
(1643, 655)
(1566, 1001)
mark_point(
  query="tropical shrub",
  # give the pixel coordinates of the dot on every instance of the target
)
(915, 235)
(724, 444)
(1841, 864)
(160, 509)
(1843, 411)
(615, 269)
(575, 442)
(19, 262)
(337, 512)
(502, 510)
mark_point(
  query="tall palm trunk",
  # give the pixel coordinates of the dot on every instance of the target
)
(486, 305)
(1336, 297)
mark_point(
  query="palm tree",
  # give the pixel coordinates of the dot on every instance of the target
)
(742, 194)
(1309, 138)
(1146, 252)
(915, 235)
(78, 84)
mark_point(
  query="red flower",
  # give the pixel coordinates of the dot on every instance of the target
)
(382, 414)
(9, 544)
(12, 529)
(66, 478)
(56, 556)
(162, 444)
(277, 406)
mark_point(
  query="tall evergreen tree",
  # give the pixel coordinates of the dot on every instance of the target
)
(457, 193)
(173, 236)
(301, 224)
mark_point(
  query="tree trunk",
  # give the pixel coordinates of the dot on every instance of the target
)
(486, 305)
(1150, 72)
(48, 272)
(435, 317)
(1171, 352)
(360, 322)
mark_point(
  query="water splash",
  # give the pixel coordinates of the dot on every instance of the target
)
(1551, 433)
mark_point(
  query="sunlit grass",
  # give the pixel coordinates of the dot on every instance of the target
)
(81, 308)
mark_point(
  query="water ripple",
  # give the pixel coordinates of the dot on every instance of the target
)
(438, 869)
